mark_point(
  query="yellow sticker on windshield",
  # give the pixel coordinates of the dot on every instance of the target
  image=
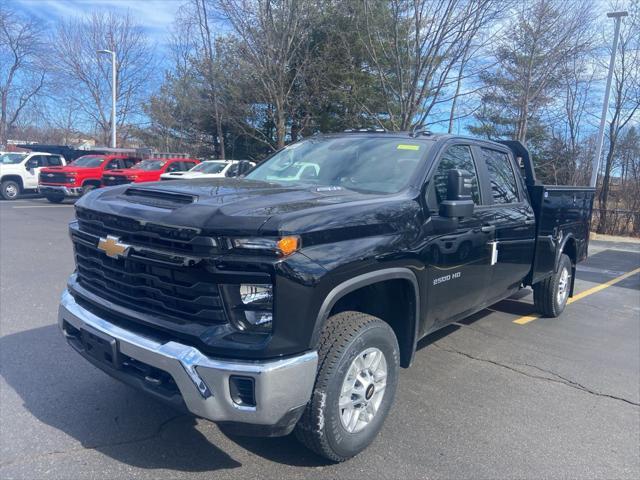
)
(408, 147)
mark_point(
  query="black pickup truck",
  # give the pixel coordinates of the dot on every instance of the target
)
(289, 299)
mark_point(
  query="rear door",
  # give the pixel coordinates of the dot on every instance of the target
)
(513, 219)
(458, 262)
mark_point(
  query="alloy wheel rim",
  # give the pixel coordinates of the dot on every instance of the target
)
(563, 286)
(363, 390)
(11, 191)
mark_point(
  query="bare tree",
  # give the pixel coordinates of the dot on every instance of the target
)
(273, 40)
(85, 76)
(22, 74)
(414, 49)
(626, 100)
(542, 36)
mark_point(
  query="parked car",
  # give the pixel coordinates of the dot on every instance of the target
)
(208, 169)
(19, 171)
(272, 305)
(80, 176)
(148, 171)
(297, 170)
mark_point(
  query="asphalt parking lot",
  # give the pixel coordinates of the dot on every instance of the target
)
(502, 394)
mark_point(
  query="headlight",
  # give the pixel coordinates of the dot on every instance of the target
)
(281, 246)
(250, 306)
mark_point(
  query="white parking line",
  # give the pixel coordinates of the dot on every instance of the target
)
(43, 206)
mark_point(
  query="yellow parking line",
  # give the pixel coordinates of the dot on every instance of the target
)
(530, 318)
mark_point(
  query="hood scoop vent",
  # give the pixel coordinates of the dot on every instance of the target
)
(159, 198)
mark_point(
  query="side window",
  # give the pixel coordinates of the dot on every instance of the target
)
(188, 165)
(233, 170)
(504, 188)
(54, 161)
(113, 164)
(129, 162)
(455, 157)
(42, 160)
(174, 167)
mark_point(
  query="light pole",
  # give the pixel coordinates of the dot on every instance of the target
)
(113, 95)
(605, 104)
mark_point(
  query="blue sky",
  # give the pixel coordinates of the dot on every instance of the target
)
(155, 16)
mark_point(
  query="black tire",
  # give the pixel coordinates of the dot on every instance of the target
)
(55, 198)
(545, 293)
(10, 190)
(88, 187)
(346, 336)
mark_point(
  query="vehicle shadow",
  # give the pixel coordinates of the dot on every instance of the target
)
(64, 391)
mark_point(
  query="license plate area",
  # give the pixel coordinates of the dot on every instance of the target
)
(95, 344)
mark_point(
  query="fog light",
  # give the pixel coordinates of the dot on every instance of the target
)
(250, 306)
(256, 294)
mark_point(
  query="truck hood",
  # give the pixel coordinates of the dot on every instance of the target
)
(240, 206)
(68, 168)
(130, 171)
(12, 168)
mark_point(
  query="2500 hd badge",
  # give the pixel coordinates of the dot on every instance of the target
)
(288, 300)
(446, 278)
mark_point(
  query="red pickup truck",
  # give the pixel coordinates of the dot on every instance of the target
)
(80, 176)
(148, 170)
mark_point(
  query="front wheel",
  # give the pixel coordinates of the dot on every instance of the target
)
(10, 190)
(88, 187)
(55, 198)
(550, 295)
(355, 386)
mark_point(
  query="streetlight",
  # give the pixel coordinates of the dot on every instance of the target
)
(113, 95)
(605, 104)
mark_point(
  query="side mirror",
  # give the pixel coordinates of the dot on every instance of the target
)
(459, 202)
(243, 167)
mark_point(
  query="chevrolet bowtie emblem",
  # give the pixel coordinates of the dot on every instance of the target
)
(112, 247)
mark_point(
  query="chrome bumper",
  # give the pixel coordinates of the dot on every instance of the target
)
(60, 189)
(281, 386)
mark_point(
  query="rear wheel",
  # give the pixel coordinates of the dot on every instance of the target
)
(10, 189)
(550, 295)
(355, 386)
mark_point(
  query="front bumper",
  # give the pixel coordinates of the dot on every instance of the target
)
(60, 190)
(281, 387)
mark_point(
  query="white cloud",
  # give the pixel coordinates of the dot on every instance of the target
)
(155, 16)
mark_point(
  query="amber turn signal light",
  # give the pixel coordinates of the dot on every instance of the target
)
(288, 245)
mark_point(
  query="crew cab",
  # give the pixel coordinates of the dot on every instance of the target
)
(209, 169)
(80, 176)
(148, 171)
(19, 171)
(271, 304)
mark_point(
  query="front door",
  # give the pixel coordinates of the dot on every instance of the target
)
(458, 262)
(32, 167)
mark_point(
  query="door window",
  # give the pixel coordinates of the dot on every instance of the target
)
(113, 164)
(54, 161)
(504, 188)
(455, 157)
(174, 167)
(129, 162)
(233, 170)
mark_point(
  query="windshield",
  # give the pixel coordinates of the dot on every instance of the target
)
(150, 165)
(379, 165)
(209, 167)
(12, 158)
(88, 161)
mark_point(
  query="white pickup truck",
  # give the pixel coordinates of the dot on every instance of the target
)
(19, 171)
